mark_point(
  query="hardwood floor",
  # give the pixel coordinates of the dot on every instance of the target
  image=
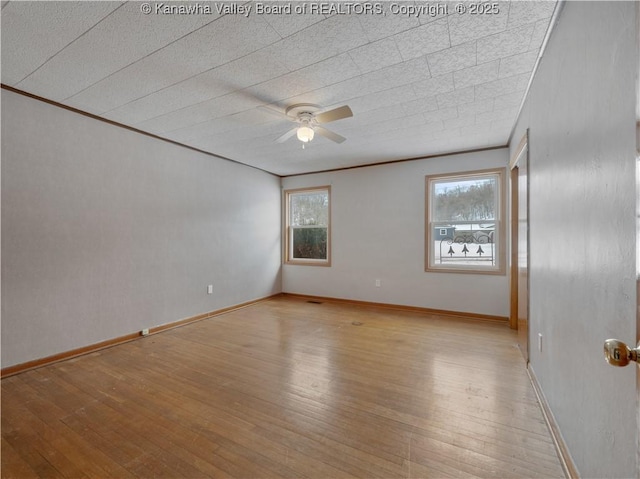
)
(285, 388)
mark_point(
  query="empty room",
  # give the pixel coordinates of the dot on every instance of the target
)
(312, 239)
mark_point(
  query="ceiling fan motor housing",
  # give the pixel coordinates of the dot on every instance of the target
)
(305, 115)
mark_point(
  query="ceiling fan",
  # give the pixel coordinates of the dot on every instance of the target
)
(309, 119)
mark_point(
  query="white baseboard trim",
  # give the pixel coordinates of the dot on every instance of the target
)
(569, 467)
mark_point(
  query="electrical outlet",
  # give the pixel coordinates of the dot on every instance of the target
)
(378, 283)
(210, 289)
(145, 332)
(540, 342)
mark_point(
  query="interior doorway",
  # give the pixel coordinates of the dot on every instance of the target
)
(519, 310)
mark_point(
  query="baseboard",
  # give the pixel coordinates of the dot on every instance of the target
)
(570, 469)
(400, 307)
(37, 363)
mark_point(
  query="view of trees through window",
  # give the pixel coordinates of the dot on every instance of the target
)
(310, 208)
(308, 224)
(465, 200)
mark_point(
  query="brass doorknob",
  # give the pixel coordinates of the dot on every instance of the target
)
(618, 353)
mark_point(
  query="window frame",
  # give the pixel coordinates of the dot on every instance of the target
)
(288, 229)
(500, 222)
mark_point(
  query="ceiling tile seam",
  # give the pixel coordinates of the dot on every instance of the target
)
(297, 31)
(71, 42)
(502, 79)
(424, 55)
(502, 59)
(476, 54)
(364, 29)
(519, 27)
(509, 13)
(356, 63)
(494, 60)
(388, 37)
(548, 21)
(426, 60)
(147, 56)
(498, 70)
(531, 36)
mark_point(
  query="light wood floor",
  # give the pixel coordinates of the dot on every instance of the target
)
(285, 388)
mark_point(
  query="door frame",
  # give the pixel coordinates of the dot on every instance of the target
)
(519, 293)
(638, 257)
(513, 269)
(638, 235)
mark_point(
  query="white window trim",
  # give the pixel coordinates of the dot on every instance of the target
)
(288, 229)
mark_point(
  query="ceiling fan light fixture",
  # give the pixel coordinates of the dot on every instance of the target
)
(305, 134)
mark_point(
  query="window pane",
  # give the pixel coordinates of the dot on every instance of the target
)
(472, 199)
(309, 209)
(308, 229)
(309, 243)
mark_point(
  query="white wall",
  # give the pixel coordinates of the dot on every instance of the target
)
(106, 231)
(581, 116)
(377, 229)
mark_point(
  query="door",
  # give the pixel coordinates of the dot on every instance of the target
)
(519, 316)
(638, 237)
(613, 353)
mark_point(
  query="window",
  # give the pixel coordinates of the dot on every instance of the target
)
(308, 216)
(464, 222)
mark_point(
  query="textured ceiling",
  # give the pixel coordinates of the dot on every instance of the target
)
(417, 85)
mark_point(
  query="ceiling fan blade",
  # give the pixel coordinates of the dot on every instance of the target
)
(287, 135)
(329, 134)
(335, 114)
